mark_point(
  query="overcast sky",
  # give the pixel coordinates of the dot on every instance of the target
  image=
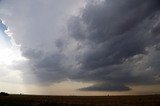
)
(89, 47)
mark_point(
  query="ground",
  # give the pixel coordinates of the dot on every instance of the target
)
(35, 100)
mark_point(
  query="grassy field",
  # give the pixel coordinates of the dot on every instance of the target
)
(32, 100)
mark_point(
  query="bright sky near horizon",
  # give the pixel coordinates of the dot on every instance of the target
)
(80, 47)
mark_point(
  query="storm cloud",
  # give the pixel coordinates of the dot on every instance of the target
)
(113, 44)
(119, 41)
(39, 27)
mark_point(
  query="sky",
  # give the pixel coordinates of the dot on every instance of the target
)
(80, 47)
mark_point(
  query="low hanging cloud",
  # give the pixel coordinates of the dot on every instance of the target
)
(106, 87)
(113, 44)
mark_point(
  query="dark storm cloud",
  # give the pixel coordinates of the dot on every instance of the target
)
(117, 46)
(46, 67)
(120, 37)
(112, 43)
(112, 18)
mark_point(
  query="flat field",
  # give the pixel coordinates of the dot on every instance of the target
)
(33, 100)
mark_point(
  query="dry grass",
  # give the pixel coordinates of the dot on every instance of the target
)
(32, 100)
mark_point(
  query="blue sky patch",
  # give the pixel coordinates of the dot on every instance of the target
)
(3, 35)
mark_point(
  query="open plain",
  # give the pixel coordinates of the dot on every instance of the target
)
(38, 100)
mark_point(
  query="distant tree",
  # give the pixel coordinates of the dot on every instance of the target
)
(3, 94)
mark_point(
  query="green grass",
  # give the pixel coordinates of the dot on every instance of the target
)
(32, 100)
